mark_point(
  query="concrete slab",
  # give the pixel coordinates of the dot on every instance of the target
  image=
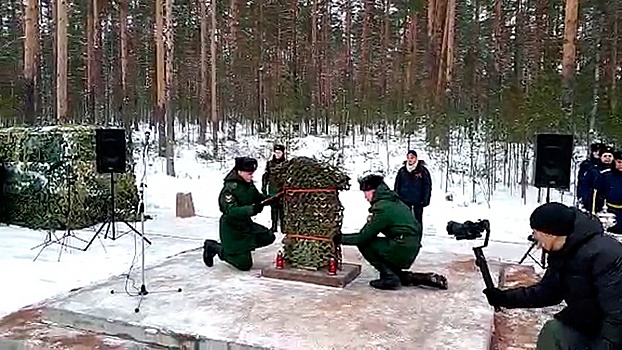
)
(342, 277)
(220, 307)
(31, 329)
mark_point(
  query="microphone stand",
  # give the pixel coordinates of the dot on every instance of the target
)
(143, 183)
(141, 207)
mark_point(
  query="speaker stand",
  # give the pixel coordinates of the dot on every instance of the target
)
(542, 261)
(111, 221)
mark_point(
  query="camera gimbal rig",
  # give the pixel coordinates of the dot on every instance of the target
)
(469, 231)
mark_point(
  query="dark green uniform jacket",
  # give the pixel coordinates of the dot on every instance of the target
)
(391, 217)
(267, 180)
(237, 230)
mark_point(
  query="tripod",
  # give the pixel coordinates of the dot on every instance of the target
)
(542, 261)
(111, 221)
(141, 207)
(63, 240)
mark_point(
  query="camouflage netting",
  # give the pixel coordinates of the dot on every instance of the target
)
(52, 182)
(313, 213)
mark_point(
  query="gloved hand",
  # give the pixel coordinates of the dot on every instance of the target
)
(337, 238)
(269, 200)
(495, 296)
(258, 208)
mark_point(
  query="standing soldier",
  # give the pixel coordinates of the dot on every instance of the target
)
(589, 165)
(239, 200)
(606, 163)
(268, 186)
(413, 184)
(609, 187)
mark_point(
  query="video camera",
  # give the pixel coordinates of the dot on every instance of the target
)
(473, 230)
(468, 230)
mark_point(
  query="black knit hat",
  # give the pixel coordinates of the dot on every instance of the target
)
(617, 155)
(412, 151)
(554, 219)
(606, 149)
(370, 182)
(245, 164)
(278, 147)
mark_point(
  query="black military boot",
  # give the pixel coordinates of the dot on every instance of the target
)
(405, 278)
(430, 279)
(274, 215)
(388, 280)
(211, 248)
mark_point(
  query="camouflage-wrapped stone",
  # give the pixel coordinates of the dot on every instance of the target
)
(52, 182)
(313, 213)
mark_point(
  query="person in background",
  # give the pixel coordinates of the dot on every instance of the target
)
(606, 164)
(609, 187)
(239, 201)
(589, 165)
(413, 184)
(584, 270)
(268, 186)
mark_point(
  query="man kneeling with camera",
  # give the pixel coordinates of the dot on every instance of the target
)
(585, 271)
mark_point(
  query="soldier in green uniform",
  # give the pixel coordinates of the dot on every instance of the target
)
(393, 254)
(268, 187)
(239, 201)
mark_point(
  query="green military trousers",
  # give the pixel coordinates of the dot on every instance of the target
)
(244, 260)
(556, 336)
(383, 253)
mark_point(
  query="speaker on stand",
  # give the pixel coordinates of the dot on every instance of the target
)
(552, 169)
(110, 158)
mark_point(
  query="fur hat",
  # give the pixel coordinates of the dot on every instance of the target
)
(606, 149)
(596, 147)
(554, 219)
(370, 182)
(245, 164)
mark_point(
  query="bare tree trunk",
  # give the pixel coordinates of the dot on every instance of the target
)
(160, 77)
(31, 54)
(203, 113)
(61, 62)
(169, 35)
(214, 110)
(569, 52)
(125, 115)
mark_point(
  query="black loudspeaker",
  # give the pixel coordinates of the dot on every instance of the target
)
(553, 161)
(110, 150)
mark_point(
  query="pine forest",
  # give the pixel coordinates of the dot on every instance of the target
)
(490, 71)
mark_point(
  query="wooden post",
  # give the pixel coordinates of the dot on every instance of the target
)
(184, 206)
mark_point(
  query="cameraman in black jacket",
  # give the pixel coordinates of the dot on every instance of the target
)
(585, 271)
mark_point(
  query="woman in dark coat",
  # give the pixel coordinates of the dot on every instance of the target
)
(413, 184)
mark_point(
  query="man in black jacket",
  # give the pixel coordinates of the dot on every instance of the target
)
(585, 271)
(413, 184)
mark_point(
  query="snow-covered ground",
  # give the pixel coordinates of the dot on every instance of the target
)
(55, 271)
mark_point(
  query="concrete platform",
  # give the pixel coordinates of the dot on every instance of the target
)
(343, 276)
(222, 308)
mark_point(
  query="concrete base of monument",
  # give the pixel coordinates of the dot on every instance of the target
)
(342, 278)
(224, 308)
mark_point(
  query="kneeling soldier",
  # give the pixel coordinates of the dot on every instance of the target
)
(395, 252)
(239, 201)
